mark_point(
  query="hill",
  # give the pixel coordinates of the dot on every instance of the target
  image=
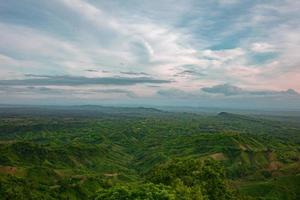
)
(63, 155)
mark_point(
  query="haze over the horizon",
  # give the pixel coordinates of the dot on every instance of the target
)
(217, 53)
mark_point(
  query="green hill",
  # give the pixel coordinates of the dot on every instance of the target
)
(59, 156)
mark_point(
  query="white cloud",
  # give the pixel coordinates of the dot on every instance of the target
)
(160, 38)
(227, 2)
(224, 55)
(262, 47)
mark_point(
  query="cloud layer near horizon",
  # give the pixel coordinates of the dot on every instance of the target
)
(48, 80)
(131, 51)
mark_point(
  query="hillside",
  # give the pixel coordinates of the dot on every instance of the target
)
(68, 156)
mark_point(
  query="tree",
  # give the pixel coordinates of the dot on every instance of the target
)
(148, 191)
(205, 179)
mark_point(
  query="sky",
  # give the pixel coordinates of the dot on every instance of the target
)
(214, 53)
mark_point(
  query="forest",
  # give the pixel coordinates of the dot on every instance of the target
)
(90, 152)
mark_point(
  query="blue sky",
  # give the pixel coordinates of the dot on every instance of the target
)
(200, 53)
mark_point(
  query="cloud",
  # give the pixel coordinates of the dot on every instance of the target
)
(193, 43)
(135, 73)
(227, 2)
(225, 89)
(30, 90)
(53, 94)
(44, 80)
(231, 90)
(262, 47)
(189, 72)
(117, 91)
(91, 70)
(224, 55)
(174, 93)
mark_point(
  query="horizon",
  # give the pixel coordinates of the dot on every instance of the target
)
(171, 108)
(221, 53)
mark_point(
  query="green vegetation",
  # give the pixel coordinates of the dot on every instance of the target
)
(139, 153)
